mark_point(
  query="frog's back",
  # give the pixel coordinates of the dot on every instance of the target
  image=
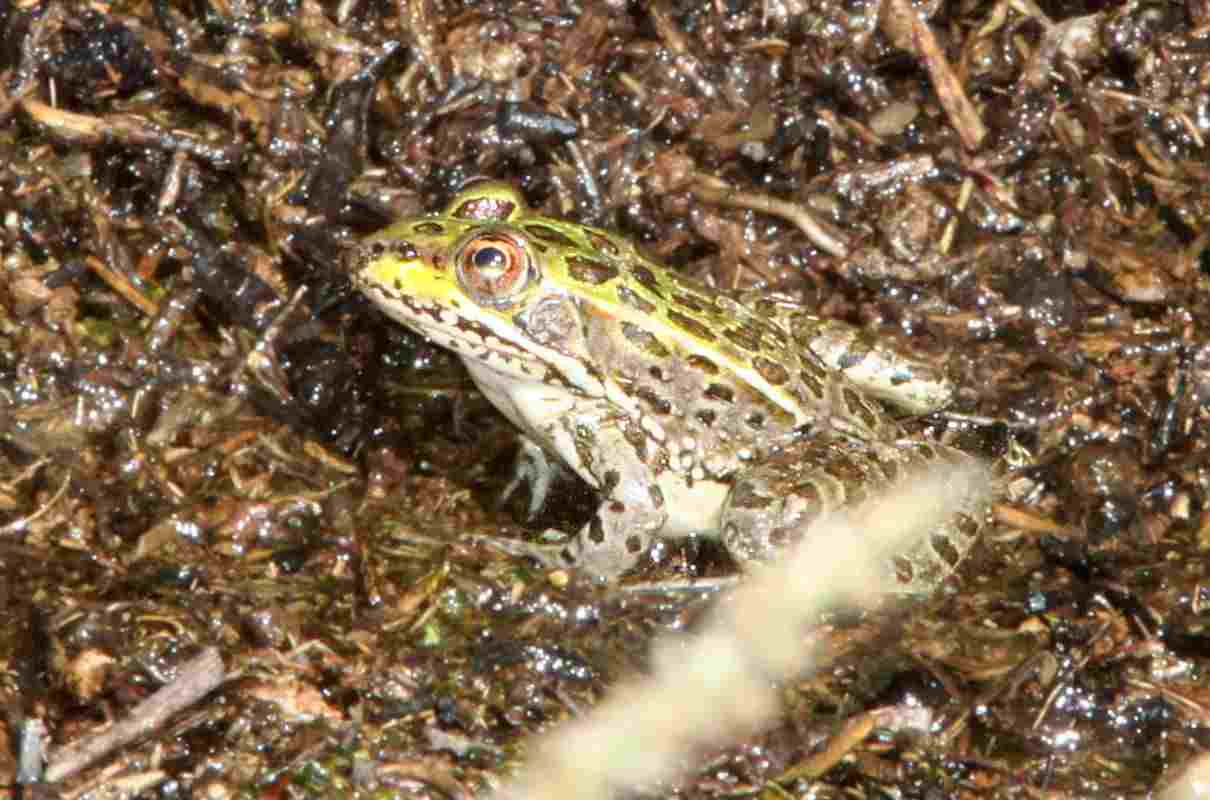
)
(702, 364)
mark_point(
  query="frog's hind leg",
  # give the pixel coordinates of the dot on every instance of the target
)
(772, 505)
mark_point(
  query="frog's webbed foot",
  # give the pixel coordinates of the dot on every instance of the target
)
(771, 505)
(534, 467)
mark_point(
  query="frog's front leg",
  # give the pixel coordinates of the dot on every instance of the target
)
(619, 458)
(603, 451)
(771, 505)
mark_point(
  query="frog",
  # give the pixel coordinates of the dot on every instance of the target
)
(691, 410)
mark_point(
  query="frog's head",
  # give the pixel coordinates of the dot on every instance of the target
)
(470, 250)
(488, 278)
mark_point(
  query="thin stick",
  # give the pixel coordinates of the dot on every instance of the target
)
(196, 679)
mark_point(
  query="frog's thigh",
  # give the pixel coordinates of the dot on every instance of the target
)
(632, 509)
(772, 505)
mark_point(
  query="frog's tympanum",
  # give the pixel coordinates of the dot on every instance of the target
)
(690, 409)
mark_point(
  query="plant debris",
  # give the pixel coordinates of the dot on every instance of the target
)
(210, 445)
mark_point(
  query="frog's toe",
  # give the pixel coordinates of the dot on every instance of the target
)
(535, 468)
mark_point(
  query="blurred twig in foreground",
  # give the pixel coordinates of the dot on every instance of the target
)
(721, 686)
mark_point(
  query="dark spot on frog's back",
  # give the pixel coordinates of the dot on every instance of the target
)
(635, 301)
(646, 278)
(771, 371)
(690, 325)
(692, 302)
(744, 337)
(596, 529)
(545, 233)
(717, 391)
(586, 270)
(602, 243)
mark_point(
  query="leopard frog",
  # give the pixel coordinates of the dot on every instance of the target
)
(688, 408)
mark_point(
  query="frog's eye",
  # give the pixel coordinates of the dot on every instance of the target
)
(493, 268)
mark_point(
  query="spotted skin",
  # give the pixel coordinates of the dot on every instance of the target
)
(688, 409)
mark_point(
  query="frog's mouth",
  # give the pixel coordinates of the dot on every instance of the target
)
(479, 335)
(445, 322)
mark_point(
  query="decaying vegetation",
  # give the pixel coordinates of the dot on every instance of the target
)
(211, 449)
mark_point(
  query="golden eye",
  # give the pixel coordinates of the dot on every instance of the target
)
(493, 268)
